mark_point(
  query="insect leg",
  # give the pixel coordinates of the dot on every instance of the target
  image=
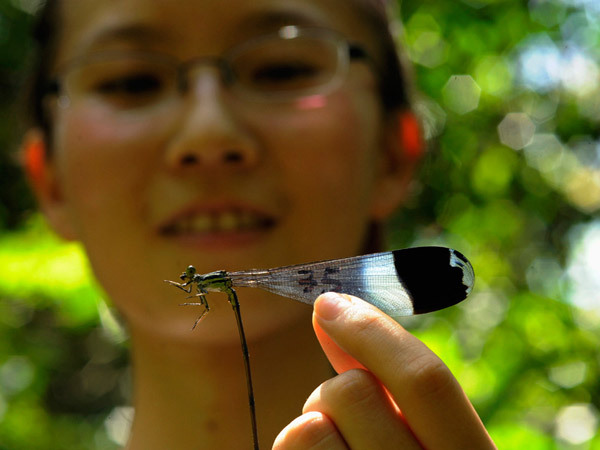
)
(203, 302)
(187, 287)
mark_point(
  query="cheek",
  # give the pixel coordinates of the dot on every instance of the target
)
(102, 167)
(328, 156)
(332, 150)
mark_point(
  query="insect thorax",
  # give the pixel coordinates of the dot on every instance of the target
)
(213, 281)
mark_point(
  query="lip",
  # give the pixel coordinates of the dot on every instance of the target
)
(218, 225)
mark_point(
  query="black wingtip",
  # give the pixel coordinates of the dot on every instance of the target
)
(435, 277)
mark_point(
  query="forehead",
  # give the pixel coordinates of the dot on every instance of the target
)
(195, 26)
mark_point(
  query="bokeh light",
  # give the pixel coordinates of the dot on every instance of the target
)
(584, 264)
(461, 94)
(516, 130)
(577, 424)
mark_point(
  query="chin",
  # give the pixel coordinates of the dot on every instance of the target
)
(263, 315)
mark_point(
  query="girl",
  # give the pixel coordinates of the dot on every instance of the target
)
(232, 135)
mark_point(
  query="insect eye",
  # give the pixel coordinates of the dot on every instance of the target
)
(190, 272)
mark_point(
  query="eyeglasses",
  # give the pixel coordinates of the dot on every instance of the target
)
(290, 64)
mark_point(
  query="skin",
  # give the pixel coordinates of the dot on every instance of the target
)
(322, 172)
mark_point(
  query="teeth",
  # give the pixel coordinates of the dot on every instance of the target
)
(225, 222)
(228, 221)
(200, 223)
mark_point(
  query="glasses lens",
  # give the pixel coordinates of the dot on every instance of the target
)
(123, 82)
(287, 67)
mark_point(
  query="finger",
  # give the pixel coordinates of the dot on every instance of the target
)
(339, 359)
(421, 384)
(311, 431)
(363, 413)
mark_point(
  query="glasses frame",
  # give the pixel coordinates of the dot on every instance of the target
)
(346, 52)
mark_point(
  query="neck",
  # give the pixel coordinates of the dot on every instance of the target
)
(193, 395)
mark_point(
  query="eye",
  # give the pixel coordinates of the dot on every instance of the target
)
(286, 66)
(283, 72)
(190, 272)
(133, 85)
(130, 90)
(124, 82)
(284, 75)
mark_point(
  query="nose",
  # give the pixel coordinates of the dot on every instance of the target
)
(211, 134)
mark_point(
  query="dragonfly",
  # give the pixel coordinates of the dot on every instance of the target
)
(400, 283)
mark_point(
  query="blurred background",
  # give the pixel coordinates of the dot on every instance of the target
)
(510, 94)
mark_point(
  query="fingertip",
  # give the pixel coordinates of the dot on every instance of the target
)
(339, 359)
(330, 305)
(311, 430)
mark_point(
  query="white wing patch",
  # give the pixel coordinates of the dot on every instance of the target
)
(468, 278)
(383, 287)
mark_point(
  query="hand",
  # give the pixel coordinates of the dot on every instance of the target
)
(392, 392)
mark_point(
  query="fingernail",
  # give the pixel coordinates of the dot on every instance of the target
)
(330, 305)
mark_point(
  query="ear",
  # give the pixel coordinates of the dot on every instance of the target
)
(43, 178)
(403, 147)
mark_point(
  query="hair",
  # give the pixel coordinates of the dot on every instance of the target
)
(45, 30)
(393, 79)
(381, 17)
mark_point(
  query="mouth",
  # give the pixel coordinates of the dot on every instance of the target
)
(218, 222)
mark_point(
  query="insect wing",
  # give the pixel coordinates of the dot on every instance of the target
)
(400, 283)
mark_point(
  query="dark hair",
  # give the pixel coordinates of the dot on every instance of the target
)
(44, 33)
(393, 80)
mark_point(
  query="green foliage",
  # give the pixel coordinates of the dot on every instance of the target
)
(524, 346)
(524, 353)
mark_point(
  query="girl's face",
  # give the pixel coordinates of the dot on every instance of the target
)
(216, 180)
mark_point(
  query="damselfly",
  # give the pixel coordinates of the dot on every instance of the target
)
(400, 283)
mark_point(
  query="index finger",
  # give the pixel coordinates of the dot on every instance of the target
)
(430, 398)
(339, 359)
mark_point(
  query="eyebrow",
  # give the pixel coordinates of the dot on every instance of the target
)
(134, 33)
